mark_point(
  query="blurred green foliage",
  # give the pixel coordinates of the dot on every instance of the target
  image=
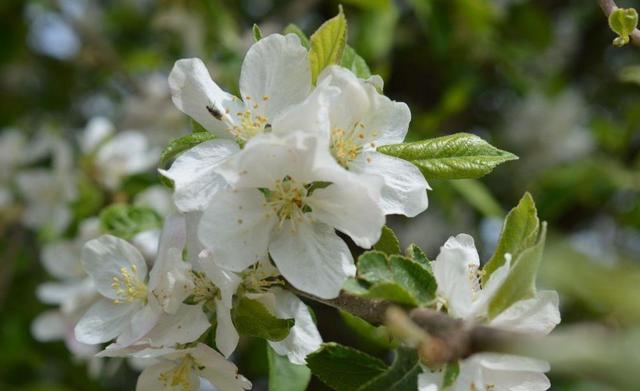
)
(538, 78)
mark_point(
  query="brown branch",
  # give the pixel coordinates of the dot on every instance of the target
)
(608, 6)
(446, 339)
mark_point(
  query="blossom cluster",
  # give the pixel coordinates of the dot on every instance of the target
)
(286, 179)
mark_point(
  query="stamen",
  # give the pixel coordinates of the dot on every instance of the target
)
(180, 375)
(346, 145)
(128, 287)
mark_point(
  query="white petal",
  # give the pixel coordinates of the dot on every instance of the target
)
(454, 270)
(71, 296)
(276, 67)
(312, 258)
(224, 280)
(158, 198)
(127, 153)
(429, 381)
(185, 326)
(389, 119)
(103, 322)
(103, 259)
(150, 378)
(221, 373)
(310, 115)
(194, 173)
(227, 336)
(507, 372)
(404, 190)
(268, 158)
(97, 130)
(352, 103)
(63, 260)
(303, 337)
(192, 90)
(349, 206)
(49, 326)
(141, 323)
(147, 242)
(237, 228)
(169, 279)
(538, 315)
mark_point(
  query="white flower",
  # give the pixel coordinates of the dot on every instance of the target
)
(456, 272)
(182, 370)
(286, 198)
(275, 75)
(362, 119)
(133, 301)
(125, 154)
(55, 325)
(97, 131)
(48, 193)
(258, 283)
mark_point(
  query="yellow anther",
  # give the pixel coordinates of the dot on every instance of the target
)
(180, 375)
(287, 199)
(346, 145)
(128, 287)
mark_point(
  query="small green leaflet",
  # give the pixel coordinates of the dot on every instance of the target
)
(181, 144)
(451, 373)
(520, 231)
(395, 278)
(456, 156)
(416, 254)
(284, 375)
(356, 64)
(327, 44)
(402, 375)
(294, 29)
(378, 336)
(520, 283)
(257, 33)
(388, 242)
(125, 221)
(252, 318)
(344, 368)
(623, 21)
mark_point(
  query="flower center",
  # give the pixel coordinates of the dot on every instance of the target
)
(180, 375)
(259, 278)
(475, 274)
(346, 145)
(128, 286)
(203, 289)
(251, 121)
(287, 199)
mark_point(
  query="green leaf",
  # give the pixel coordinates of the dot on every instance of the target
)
(456, 156)
(294, 29)
(181, 144)
(125, 221)
(342, 367)
(396, 278)
(257, 33)
(327, 44)
(623, 21)
(284, 375)
(414, 278)
(356, 64)
(391, 291)
(451, 373)
(373, 267)
(520, 231)
(401, 376)
(415, 253)
(378, 336)
(252, 318)
(89, 200)
(388, 242)
(520, 283)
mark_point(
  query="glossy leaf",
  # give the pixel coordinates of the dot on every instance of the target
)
(125, 221)
(402, 375)
(457, 156)
(344, 368)
(252, 318)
